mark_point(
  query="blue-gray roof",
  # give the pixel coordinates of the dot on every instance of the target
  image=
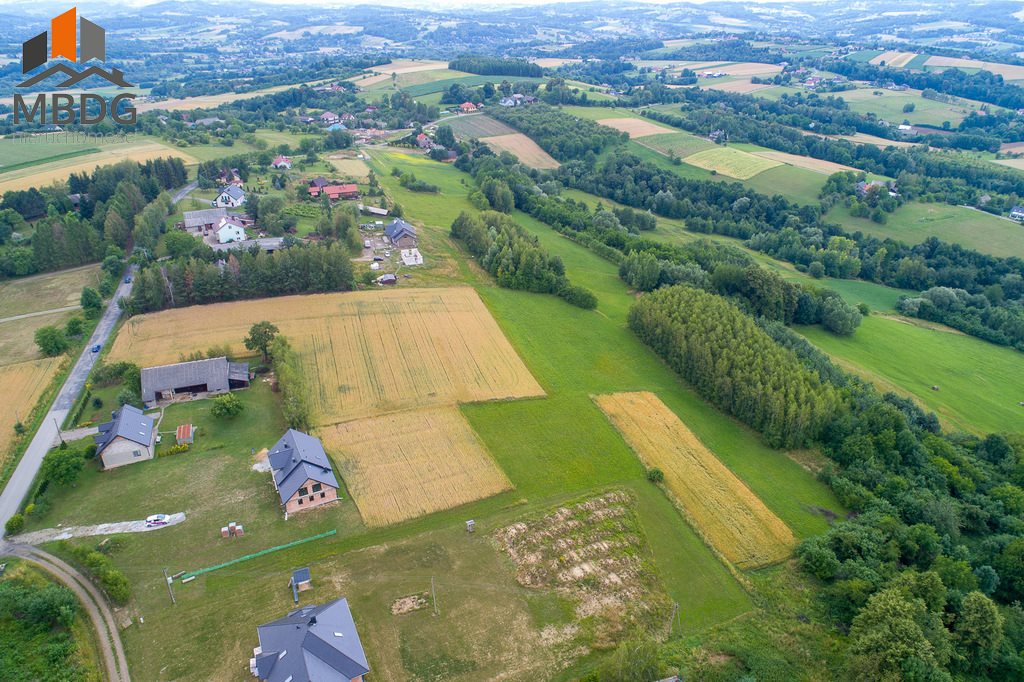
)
(311, 643)
(234, 191)
(297, 458)
(397, 227)
(300, 576)
(130, 423)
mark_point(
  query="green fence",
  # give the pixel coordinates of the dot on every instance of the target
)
(192, 574)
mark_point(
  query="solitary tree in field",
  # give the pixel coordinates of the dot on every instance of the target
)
(51, 341)
(260, 336)
(91, 302)
(227, 406)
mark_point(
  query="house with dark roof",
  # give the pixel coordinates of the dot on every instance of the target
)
(203, 220)
(329, 117)
(125, 439)
(1017, 213)
(215, 375)
(303, 475)
(319, 181)
(311, 644)
(401, 234)
(233, 196)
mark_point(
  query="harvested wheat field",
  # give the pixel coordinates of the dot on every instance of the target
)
(816, 165)
(722, 508)
(743, 86)
(348, 166)
(636, 127)
(523, 148)
(23, 383)
(750, 69)
(407, 464)
(364, 352)
(43, 174)
(894, 58)
(1010, 72)
(731, 161)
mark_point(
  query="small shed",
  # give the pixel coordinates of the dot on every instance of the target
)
(300, 582)
(185, 434)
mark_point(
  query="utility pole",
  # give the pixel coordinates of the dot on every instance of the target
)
(170, 590)
(59, 435)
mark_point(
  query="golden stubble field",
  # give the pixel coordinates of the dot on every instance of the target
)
(403, 465)
(523, 148)
(722, 508)
(23, 383)
(365, 353)
(636, 127)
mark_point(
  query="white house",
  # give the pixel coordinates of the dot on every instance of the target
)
(230, 231)
(125, 439)
(232, 197)
(282, 162)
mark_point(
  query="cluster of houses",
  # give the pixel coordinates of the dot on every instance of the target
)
(517, 100)
(864, 186)
(310, 643)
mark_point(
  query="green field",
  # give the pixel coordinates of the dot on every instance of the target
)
(796, 184)
(917, 221)
(21, 153)
(889, 104)
(730, 161)
(477, 125)
(681, 144)
(979, 382)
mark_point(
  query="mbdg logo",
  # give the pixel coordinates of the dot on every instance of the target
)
(78, 41)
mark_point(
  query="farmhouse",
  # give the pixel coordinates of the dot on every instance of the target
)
(232, 197)
(230, 231)
(329, 117)
(125, 439)
(215, 375)
(282, 162)
(204, 220)
(387, 280)
(467, 107)
(311, 643)
(303, 475)
(1017, 213)
(401, 234)
(335, 192)
(319, 181)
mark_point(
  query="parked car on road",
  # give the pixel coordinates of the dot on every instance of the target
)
(96, 348)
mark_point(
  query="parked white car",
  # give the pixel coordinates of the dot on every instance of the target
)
(157, 520)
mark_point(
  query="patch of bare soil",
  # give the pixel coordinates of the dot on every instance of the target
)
(413, 602)
(593, 553)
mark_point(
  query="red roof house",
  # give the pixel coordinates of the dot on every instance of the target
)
(335, 192)
(467, 107)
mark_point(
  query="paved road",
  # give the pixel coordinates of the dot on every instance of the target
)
(93, 601)
(65, 309)
(28, 467)
(183, 192)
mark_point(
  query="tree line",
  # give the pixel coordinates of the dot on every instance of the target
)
(562, 135)
(496, 66)
(187, 280)
(515, 259)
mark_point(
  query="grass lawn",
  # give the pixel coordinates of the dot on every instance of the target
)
(796, 184)
(916, 221)
(46, 291)
(21, 154)
(979, 382)
(681, 144)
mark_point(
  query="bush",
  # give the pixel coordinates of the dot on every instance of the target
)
(174, 450)
(15, 524)
(655, 475)
(51, 341)
(127, 396)
(579, 296)
(97, 403)
(227, 406)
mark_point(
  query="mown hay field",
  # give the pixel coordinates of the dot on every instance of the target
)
(23, 383)
(731, 162)
(724, 510)
(636, 127)
(364, 352)
(523, 148)
(477, 125)
(894, 58)
(816, 165)
(350, 167)
(679, 143)
(404, 465)
(48, 291)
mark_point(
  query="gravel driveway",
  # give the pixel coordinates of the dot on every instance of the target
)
(49, 534)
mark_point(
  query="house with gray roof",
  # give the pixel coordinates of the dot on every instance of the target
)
(232, 196)
(215, 375)
(206, 219)
(303, 475)
(311, 644)
(125, 439)
(401, 234)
